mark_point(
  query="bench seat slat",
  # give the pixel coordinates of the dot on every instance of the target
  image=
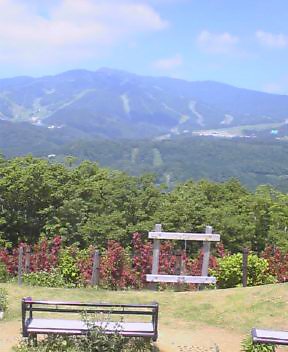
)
(270, 336)
(34, 325)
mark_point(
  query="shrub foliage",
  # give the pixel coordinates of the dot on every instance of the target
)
(229, 271)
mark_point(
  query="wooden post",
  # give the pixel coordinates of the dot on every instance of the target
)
(206, 252)
(156, 251)
(178, 268)
(96, 269)
(245, 266)
(183, 262)
(20, 263)
(27, 260)
(156, 255)
(178, 263)
(206, 255)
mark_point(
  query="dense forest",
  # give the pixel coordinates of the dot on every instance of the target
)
(88, 204)
(252, 161)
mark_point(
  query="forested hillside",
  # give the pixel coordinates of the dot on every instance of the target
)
(89, 205)
(253, 162)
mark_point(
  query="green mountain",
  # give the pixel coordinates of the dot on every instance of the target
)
(114, 104)
(252, 161)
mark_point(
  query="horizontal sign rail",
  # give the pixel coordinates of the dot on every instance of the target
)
(185, 236)
(181, 279)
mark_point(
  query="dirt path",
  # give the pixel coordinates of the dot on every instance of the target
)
(178, 339)
(170, 339)
(200, 339)
(9, 335)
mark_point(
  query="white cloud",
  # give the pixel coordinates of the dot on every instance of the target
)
(168, 63)
(218, 43)
(70, 29)
(272, 40)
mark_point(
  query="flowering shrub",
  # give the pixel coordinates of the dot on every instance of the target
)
(278, 263)
(142, 259)
(115, 268)
(84, 262)
(44, 256)
(127, 268)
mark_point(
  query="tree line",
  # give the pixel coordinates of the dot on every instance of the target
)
(89, 204)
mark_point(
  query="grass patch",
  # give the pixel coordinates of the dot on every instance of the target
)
(237, 309)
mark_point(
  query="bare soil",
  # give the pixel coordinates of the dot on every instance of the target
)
(9, 335)
(171, 339)
(200, 339)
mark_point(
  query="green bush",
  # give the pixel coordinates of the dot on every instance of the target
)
(3, 300)
(96, 341)
(3, 273)
(45, 279)
(52, 343)
(229, 271)
(248, 346)
(68, 266)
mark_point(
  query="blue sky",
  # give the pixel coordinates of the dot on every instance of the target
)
(240, 42)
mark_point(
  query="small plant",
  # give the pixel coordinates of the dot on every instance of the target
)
(229, 271)
(3, 273)
(98, 340)
(45, 279)
(53, 343)
(248, 346)
(3, 300)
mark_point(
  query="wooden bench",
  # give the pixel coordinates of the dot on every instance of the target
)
(113, 318)
(273, 337)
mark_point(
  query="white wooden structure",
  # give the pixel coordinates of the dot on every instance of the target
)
(157, 235)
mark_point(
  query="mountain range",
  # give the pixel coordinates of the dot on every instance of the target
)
(112, 104)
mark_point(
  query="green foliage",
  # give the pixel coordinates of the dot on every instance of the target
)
(3, 300)
(253, 162)
(248, 346)
(95, 341)
(45, 279)
(28, 188)
(229, 271)
(52, 343)
(3, 273)
(89, 205)
(67, 266)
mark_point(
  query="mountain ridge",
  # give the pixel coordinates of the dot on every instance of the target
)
(110, 103)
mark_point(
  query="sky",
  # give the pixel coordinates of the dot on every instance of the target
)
(240, 42)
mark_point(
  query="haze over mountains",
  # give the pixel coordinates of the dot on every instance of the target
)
(114, 104)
